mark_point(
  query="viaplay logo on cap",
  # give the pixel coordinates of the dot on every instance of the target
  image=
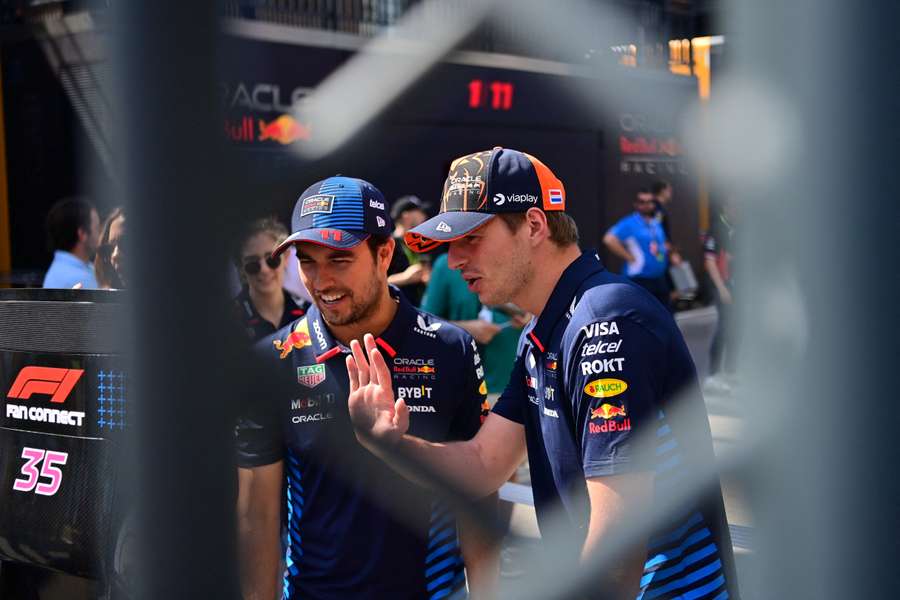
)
(320, 203)
(501, 199)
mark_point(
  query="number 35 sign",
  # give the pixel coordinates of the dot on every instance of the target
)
(41, 464)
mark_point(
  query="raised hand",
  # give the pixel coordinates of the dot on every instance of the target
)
(374, 413)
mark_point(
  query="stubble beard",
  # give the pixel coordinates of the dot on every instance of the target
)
(360, 309)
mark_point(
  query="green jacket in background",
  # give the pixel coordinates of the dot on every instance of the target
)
(448, 297)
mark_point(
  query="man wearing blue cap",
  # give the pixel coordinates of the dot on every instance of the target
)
(349, 518)
(603, 393)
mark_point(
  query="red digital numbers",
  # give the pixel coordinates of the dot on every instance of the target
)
(498, 95)
(33, 457)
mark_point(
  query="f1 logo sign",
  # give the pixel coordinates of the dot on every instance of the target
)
(56, 383)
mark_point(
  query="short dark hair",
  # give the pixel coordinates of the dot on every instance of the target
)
(64, 220)
(658, 186)
(375, 241)
(563, 229)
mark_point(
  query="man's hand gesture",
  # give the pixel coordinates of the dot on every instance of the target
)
(373, 412)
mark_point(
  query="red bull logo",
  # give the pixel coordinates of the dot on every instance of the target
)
(426, 369)
(606, 412)
(605, 388)
(284, 130)
(299, 338)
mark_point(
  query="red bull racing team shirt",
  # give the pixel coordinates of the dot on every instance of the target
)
(356, 528)
(603, 364)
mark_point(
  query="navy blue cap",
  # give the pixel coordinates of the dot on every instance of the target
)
(482, 185)
(338, 212)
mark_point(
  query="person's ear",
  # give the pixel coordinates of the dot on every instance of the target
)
(386, 251)
(536, 224)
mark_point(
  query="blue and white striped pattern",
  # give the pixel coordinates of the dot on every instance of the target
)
(684, 562)
(294, 544)
(445, 575)
(347, 210)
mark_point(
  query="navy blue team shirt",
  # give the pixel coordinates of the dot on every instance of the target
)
(602, 364)
(356, 528)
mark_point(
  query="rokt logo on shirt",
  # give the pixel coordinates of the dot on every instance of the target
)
(605, 388)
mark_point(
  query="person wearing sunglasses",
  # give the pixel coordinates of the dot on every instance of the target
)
(641, 242)
(263, 304)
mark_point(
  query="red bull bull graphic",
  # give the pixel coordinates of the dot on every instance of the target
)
(299, 338)
(607, 411)
(609, 414)
(426, 369)
(284, 130)
(605, 388)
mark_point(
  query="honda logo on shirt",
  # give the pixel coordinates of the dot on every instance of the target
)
(54, 382)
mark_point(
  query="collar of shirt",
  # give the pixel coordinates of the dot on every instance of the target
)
(291, 310)
(326, 347)
(70, 259)
(562, 299)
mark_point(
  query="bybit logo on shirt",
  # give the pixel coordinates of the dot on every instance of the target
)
(419, 392)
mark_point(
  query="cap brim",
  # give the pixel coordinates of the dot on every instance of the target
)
(338, 239)
(443, 228)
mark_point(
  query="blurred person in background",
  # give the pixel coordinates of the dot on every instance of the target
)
(263, 304)
(662, 197)
(109, 264)
(718, 247)
(408, 270)
(496, 329)
(73, 228)
(640, 241)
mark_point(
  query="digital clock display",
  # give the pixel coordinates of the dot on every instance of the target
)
(495, 95)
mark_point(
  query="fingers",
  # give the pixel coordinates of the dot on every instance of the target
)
(362, 365)
(401, 416)
(372, 351)
(380, 368)
(352, 373)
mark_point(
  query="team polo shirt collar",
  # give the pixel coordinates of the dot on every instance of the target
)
(326, 347)
(561, 299)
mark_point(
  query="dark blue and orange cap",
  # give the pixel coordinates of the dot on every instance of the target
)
(338, 212)
(482, 185)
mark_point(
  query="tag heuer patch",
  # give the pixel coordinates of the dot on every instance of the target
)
(311, 376)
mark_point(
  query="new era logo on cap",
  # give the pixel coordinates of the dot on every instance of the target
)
(442, 226)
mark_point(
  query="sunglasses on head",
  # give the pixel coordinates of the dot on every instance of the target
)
(252, 265)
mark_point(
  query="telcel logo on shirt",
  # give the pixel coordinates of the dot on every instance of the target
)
(605, 388)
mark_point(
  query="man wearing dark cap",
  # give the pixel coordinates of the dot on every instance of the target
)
(354, 527)
(600, 371)
(408, 270)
